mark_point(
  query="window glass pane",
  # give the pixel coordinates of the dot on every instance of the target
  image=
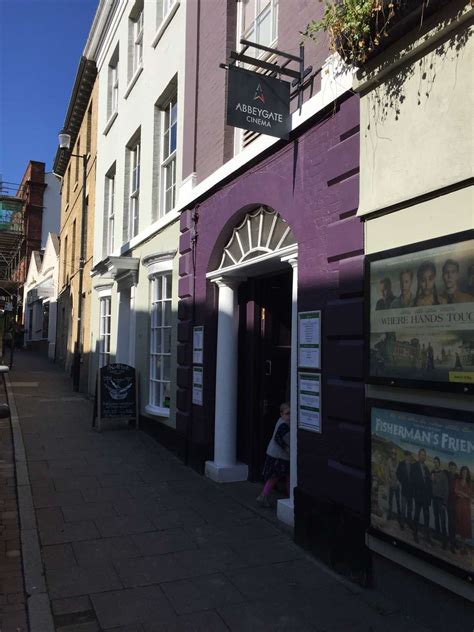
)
(166, 144)
(168, 200)
(268, 219)
(166, 395)
(264, 28)
(157, 287)
(166, 367)
(167, 340)
(168, 286)
(158, 364)
(173, 133)
(158, 341)
(167, 319)
(159, 314)
(254, 230)
(248, 13)
(174, 112)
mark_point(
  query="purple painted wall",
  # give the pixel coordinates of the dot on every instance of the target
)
(211, 27)
(312, 182)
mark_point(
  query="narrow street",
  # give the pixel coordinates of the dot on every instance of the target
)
(131, 539)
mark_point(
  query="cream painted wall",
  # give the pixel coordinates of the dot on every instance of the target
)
(417, 124)
(443, 215)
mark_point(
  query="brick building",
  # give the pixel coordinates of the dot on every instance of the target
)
(37, 213)
(77, 223)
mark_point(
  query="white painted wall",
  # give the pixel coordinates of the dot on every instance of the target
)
(160, 64)
(52, 207)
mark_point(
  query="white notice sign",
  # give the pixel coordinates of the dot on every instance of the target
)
(198, 344)
(309, 401)
(309, 340)
(197, 385)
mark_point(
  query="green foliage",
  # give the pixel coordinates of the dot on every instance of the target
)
(355, 27)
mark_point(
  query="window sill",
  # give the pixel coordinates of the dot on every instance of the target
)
(156, 411)
(133, 81)
(110, 122)
(164, 24)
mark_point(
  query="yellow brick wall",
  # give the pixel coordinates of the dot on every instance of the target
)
(71, 211)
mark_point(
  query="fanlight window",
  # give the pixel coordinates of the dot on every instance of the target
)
(262, 231)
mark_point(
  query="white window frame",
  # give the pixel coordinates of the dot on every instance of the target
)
(161, 290)
(252, 33)
(114, 88)
(166, 8)
(137, 42)
(134, 195)
(110, 207)
(168, 156)
(105, 323)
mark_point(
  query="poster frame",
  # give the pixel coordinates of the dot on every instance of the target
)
(301, 315)
(463, 416)
(199, 368)
(313, 374)
(198, 353)
(420, 246)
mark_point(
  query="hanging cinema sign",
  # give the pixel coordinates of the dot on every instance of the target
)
(258, 103)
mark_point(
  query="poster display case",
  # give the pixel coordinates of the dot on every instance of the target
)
(422, 482)
(420, 315)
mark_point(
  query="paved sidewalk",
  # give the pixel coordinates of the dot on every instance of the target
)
(12, 596)
(133, 540)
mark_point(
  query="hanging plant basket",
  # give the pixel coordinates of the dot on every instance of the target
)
(360, 29)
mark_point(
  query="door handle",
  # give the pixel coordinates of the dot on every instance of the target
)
(268, 367)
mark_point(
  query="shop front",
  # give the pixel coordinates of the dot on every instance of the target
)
(275, 242)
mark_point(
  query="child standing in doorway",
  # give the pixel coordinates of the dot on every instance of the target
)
(277, 463)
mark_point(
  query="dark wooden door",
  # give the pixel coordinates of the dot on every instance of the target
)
(264, 364)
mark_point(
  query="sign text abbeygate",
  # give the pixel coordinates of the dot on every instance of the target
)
(258, 103)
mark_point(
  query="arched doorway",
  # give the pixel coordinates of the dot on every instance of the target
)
(257, 279)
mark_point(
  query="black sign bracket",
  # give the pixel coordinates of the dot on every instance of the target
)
(275, 69)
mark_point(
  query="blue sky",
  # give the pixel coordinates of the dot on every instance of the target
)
(41, 42)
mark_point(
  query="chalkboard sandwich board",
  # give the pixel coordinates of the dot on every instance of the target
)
(116, 395)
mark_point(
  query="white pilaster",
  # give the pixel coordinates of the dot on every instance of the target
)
(285, 506)
(133, 326)
(225, 468)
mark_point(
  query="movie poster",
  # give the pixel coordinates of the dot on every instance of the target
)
(422, 315)
(423, 483)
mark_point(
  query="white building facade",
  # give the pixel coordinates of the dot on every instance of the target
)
(40, 302)
(139, 50)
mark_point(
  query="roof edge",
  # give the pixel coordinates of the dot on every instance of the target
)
(84, 83)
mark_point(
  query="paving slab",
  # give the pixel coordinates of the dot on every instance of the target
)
(135, 605)
(208, 592)
(207, 621)
(81, 580)
(159, 542)
(144, 571)
(105, 550)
